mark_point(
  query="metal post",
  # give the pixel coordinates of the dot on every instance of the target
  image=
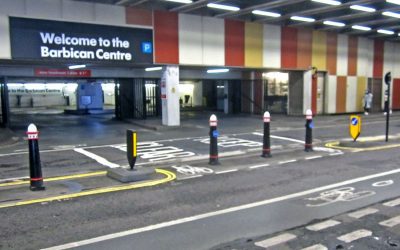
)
(388, 79)
(131, 147)
(213, 141)
(35, 167)
(266, 152)
(309, 125)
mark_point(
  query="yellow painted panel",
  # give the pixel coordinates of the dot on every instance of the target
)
(361, 87)
(318, 58)
(253, 45)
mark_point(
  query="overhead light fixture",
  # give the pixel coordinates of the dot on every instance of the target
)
(180, 1)
(359, 27)
(265, 13)
(214, 71)
(387, 32)
(303, 19)
(332, 23)
(393, 1)
(330, 2)
(223, 7)
(153, 69)
(391, 14)
(362, 8)
(77, 66)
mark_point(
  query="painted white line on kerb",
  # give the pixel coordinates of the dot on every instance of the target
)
(391, 222)
(259, 166)
(323, 225)
(356, 235)
(97, 158)
(361, 213)
(226, 171)
(392, 203)
(221, 212)
(316, 247)
(190, 177)
(280, 137)
(285, 162)
(276, 240)
(313, 157)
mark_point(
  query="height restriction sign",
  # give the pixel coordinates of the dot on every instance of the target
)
(355, 126)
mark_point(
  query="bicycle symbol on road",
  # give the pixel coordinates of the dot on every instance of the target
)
(189, 170)
(337, 195)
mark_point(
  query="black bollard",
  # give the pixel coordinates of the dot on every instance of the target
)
(213, 141)
(131, 147)
(308, 145)
(266, 152)
(35, 167)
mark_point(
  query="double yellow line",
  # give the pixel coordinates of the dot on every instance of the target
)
(169, 176)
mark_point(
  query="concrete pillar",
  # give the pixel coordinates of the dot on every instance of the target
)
(170, 96)
(307, 90)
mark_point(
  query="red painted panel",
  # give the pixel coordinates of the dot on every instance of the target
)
(234, 43)
(352, 55)
(166, 40)
(314, 85)
(378, 58)
(289, 47)
(331, 58)
(139, 16)
(396, 94)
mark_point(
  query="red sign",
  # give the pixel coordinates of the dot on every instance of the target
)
(63, 73)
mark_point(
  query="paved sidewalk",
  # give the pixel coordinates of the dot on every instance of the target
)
(373, 227)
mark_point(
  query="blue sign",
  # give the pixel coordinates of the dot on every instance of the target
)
(354, 121)
(312, 125)
(215, 133)
(147, 48)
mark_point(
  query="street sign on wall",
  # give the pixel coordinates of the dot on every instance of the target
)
(59, 41)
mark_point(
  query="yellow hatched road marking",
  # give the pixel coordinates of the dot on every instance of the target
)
(169, 177)
(58, 178)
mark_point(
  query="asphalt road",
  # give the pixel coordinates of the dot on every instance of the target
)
(279, 189)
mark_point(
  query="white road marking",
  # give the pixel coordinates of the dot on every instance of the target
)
(356, 235)
(316, 247)
(392, 203)
(190, 177)
(97, 158)
(276, 240)
(363, 212)
(338, 153)
(323, 225)
(285, 162)
(391, 222)
(280, 137)
(313, 157)
(383, 183)
(14, 179)
(259, 166)
(226, 171)
(221, 212)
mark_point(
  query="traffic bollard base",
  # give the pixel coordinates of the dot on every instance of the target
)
(37, 188)
(266, 153)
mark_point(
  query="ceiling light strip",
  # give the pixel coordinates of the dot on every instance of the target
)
(223, 7)
(393, 1)
(391, 14)
(359, 27)
(332, 23)
(362, 8)
(265, 13)
(215, 71)
(153, 69)
(387, 32)
(303, 19)
(180, 1)
(330, 2)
